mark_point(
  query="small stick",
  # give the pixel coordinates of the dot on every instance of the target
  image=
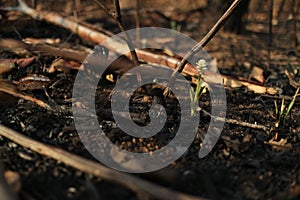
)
(8, 88)
(137, 22)
(43, 49)
(96, 169)
(205, 40)
(237, 122)
(116, 15)
(281, 6)
(280, 146)
(247, 124)
(12, 90)
(270, 32)
(292, 82)
(294, 13)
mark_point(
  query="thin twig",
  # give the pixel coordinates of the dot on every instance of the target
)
(247, 124)
(281, 6)
(118, 11)
(205, 40)
(132, 182)
(137, 22)
(237, 122)
(277, 145)
(9, 88)
(69, 54)
(116, 15)
(294, 13)
(270, 32)
(292, 82)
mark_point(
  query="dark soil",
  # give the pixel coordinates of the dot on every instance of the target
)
(240, 166)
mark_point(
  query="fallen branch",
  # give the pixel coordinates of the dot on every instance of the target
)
(134, 183)
(122, 64)
(90, 34)
(12, 44)
(12, 90)
(119, 66)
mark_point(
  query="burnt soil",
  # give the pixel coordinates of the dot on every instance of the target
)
(240, 166)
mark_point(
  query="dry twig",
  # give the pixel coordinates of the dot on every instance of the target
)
(237, 122)
(292, 82)
(9, 88)
(137, 22)
(219, 24)
(12, 90)
(43, 49)
(116, 15)
(270, 32)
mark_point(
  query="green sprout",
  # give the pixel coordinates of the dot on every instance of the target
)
(175, 26)
(281, 115)
(195, 94)
(296, 69)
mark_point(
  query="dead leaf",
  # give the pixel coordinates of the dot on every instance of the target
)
(234, 144)
(246, 143)
(62, 65)
(6, 65)
(24, 62)
(247, 64)
(257, 74)
(110, 77)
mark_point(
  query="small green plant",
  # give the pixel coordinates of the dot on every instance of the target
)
(175, 26)
(283, 112)
(296, 69)
(195, 94)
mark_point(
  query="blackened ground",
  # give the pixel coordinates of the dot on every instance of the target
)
(240, 166)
